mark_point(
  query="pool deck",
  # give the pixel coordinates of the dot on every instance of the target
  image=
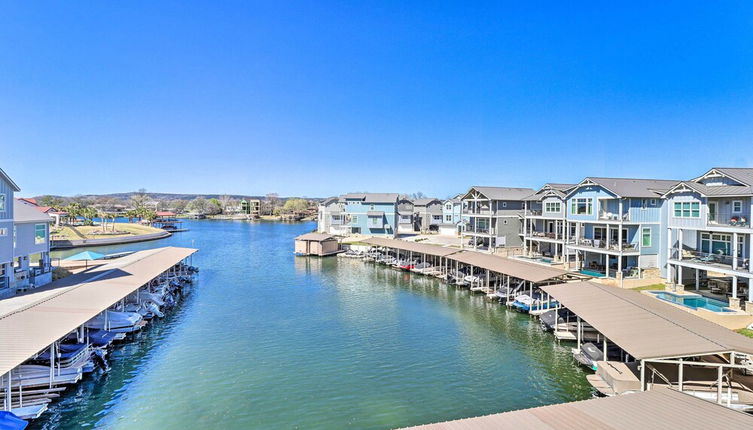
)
(734, 320)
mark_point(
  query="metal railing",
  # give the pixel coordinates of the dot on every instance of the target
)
(602, 244)
(536, 234)
(709, 258)
(727, 218)
(610, 216)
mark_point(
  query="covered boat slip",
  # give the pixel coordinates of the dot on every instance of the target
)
(318, 244)
(671, 346)
(499, 276)
(29, 323)
(656, 409)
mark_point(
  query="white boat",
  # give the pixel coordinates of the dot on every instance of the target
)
(118, 322)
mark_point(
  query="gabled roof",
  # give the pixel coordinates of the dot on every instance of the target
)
(316, 237)
(629, 187)
(711, 191)
(743, 175)
(372, 197)
(501, 193)
(549, 189)
(7, 178)
(425, 201)
(29, 200)
(24, 213)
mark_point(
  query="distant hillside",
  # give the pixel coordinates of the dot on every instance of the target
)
(174, 196)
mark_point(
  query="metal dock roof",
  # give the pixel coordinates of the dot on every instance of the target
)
(659, 408)
(30, 322)
(644, 326)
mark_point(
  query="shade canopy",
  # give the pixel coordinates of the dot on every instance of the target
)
(86, 255)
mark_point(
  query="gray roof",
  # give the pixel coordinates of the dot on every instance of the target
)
(559, 190)
(9, 180)
(372, 197)
(628, 187)
(658, 408)
(742, 174)
(503, 193)
(646, 327)
(716, 190)
(316, 237)
(425, 201)
(25, 213)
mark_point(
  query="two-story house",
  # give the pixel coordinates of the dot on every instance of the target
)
(544, 222)
(7, 188)
(360, 213)
(452, 212)
(709, 228)
(405, 223)
(427, 214)
(31, 246)
(614, 226)
(494, 216)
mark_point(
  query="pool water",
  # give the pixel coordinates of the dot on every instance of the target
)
(592, 273)
(694, 301)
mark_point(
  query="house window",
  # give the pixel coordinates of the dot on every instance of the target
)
(436, 217)
(552, 207)
(652, 202)
(448, 218)
(2, 202)
(354, 219)
(582, 207)
(737, 206)
(504, 204)
(646, 237)
(687, 210)
(40, 234)
(448, 207)
(372, 207)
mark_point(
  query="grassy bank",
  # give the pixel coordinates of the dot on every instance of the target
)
(95, 231)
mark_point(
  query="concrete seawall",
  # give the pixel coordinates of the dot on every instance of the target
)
(67, 244)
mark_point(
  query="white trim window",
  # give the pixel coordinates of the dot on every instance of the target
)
(552, 207)
(3, 231)
(582, 206)
(40, 234)
(448, 218)
(646, 237)
(2, 202)
(687, 210)
(737, 206)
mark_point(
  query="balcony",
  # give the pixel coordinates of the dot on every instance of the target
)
(479, 211)
(534, 212)
(542, 235)
(599, 244)
(728, 219)
(610, 216)
(718, 261)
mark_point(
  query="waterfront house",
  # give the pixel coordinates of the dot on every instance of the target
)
(494, 216)
(251, 207)
(614, 226)
(452, 222)
(7, 188)
(427, 214)
(709, 229)
(373, 214)
(32, 265)
(544, 221)
(405, 222)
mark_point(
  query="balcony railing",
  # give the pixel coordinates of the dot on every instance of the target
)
(718, 260)
(610, 216)
(728, 219)
(611, 245)
(541, 234)
(534, 212)
(480, 211)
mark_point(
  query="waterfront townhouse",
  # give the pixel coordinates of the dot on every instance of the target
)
(405, 216)
(427, 213)
(709, 229)
(494, 216)
(452, 221)
(373, 214)
(615, 226)
(7, 188)
(544, 221)
(31, 246)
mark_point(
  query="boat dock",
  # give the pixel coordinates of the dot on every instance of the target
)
(656, 409)
(69, 324)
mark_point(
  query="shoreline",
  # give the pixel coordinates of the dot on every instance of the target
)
(82, 243)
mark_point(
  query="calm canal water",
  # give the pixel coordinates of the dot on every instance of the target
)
(272, 341)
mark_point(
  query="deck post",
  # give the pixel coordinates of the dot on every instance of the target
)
(719, 385)
(605, 349)
(734, 250)
(643, 375)
(680, 369)
(578, 329)
(697, 279)
(734, 287)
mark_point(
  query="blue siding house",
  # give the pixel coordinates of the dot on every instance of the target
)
(614, 226)
(709, 229)
(373, 214)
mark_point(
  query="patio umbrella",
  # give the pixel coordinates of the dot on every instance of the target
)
(86, 256)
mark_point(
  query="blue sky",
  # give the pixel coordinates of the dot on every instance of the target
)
(322, 98)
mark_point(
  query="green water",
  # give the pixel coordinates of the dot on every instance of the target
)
(272, 341)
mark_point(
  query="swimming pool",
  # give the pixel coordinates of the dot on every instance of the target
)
(592, 273)
(694, 301)
(542, 260)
